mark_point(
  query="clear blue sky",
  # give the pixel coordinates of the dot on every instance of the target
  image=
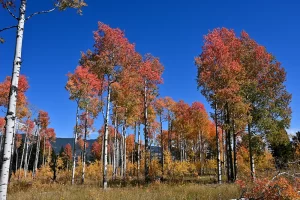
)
(171, 30)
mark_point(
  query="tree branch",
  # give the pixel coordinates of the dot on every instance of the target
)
(8, 28)
(11, 13)
(40, 12)
(294, 162)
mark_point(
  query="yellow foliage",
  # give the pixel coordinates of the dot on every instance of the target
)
(155, 169)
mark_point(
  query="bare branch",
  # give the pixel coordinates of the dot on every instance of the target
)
(40, 12)
(11, 13)
(4, 29)
(294, 162)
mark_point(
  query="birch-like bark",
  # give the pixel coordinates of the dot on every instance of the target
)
(27, 162)
(252, 166)
(74, 146)
(219, 172)
(122, 153)
(25, 159)
(115, 147)
(117, 156)
(124, 150)
(44, 149)
(106, 137)
(139, 151)
(17, 158)
(13, 149)
(11, 111)
(37, 154)
(23, 152)
(147, 147)
(162, 144)
(84, 149)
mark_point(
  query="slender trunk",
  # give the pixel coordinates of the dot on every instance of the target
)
(252, 166)
(105, 138)
(17, 158)
(224, 152)
(27, 160)
(134, 142)
(11, 111)
(139, 152)
(84, 147)
(234, 156)
(74, 146)
(115, 147)
(219, 172)
(234, 151)
(147, 147)
(200, 153)
(230, 158)
(169, 133)
(23, 152)
(13, 149)
(229, 155)
(117, 157)
(37, 152)
(122, 154)
(23, 156)
(162, 144)
(44, 149)
(124, 150)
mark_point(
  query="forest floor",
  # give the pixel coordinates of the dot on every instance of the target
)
(27, 191)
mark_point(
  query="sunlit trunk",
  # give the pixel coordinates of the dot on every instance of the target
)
(139, 151)
(74, 147)
(27, 159)
(36, 161)
(162, 144)
(13, 149)
(23, 152)
(219, 172)
(115, 147)
(84, 149)
(106, 137)
(124, 150)
(147, 147)
(44, 149)
(11, 111)
(252, 166)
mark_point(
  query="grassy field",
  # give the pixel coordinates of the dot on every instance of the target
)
(25, 191)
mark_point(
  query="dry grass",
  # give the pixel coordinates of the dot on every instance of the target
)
(26, 191)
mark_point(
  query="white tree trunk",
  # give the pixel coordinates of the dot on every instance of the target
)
(105, 138)
(11, 111)
(13, 149)
(122, 154)
(124, 150)
(115, 147)
(74, 147)
(23, 150)
(117, 157)
(84, 149)
(139, 152)
(44, 149)
(219, 169)
(37, 154)
(26, 160)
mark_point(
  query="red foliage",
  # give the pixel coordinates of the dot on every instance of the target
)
(44, 119)
(68, 152)
(2, 124)
(96, 150)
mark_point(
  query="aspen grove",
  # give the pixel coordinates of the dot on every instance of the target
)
(145, 138)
